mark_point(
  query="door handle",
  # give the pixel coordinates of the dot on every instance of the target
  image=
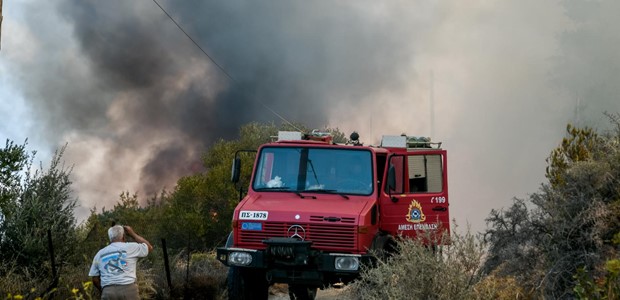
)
(440, 208)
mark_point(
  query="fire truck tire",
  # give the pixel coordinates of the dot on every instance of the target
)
(301, 292)
(245, 284)
(384, 246)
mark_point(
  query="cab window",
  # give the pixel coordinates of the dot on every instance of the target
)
(417, 173)
(425, 173)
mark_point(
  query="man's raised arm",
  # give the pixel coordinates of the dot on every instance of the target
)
(129, 231)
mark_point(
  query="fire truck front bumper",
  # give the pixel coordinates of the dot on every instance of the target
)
(287, 260)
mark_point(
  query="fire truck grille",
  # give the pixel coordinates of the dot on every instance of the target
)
(323, 236)
(332, 219)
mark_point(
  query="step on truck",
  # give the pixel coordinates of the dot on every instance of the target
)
(316, 211)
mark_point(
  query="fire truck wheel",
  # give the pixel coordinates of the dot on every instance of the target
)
(246, 284)
(301, 292)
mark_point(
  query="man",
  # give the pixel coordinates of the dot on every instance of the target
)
(114, 267)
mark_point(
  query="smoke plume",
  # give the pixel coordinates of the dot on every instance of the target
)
(139, 103)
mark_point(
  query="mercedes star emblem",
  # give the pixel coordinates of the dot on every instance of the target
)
(296, 231)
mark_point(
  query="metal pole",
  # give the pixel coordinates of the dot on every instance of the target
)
(186, 292)
(51, 251)
(1, 24)
(432, 104)
(166, 263)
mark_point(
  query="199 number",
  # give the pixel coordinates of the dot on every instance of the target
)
(438, 200)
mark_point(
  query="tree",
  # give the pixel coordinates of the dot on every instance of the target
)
(13, 160)
(568, 225)
(511, 235)
(203, 204)
(197, 212)
(42, 201)
(580, 144)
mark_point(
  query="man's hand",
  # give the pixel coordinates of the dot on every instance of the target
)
(97, 282)
(129, 231)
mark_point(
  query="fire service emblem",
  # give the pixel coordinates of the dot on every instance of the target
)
(415, 214)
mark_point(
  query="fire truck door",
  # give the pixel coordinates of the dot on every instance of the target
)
(418, 204)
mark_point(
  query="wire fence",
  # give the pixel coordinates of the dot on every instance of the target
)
(181, 265)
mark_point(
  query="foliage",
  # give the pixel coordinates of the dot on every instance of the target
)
(604, 286)
(39, 203)
(560, 242)
(204, 279)
(579, 145)
(568, 225)
(84, 291)
(73, 284)
(418, 272)
(13, 160)
(510, 235)
(198, 211)
(194, 216)
(499, 287)
(338, 136)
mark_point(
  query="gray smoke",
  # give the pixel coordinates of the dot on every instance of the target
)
(139, 103)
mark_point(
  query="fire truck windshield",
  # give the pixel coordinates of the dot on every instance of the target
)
(321, 170)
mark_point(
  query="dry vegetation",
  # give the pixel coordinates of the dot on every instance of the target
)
(419, 272)
(561, 242)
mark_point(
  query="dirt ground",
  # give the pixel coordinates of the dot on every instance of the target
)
(281, 293)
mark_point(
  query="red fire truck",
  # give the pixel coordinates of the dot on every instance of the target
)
(315, 211)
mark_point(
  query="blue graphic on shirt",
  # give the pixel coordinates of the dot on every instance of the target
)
(115, 262)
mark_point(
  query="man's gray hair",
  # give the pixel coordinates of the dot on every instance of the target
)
(116, 232)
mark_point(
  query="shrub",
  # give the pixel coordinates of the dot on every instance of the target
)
(418, 272)
(604, 286)
(205, 278)
(500, 287)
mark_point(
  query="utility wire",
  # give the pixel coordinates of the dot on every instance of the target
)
(218, 65)
(191, 39)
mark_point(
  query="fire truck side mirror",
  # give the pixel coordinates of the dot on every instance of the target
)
(236, 170)
(391, 183)
(391, 179)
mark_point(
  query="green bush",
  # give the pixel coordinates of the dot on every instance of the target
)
(419, 272)
(501, 288)
(604, 286)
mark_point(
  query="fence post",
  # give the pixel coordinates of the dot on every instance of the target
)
(50, 247)
(166, 264)
(186, 292)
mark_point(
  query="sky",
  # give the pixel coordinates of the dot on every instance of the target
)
(137, 102)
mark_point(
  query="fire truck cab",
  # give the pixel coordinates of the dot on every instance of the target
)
(316, 211)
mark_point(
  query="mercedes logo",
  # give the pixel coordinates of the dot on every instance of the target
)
(296, 231)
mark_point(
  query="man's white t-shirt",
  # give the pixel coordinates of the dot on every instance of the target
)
(116, 263)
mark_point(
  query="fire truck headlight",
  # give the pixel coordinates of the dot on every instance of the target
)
(347, 263)
(239, 258)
